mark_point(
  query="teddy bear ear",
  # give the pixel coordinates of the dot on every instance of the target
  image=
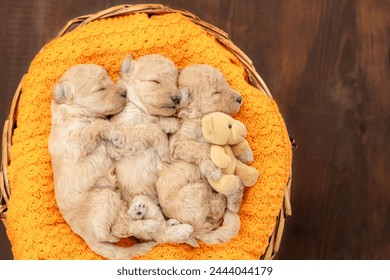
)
(127, 64)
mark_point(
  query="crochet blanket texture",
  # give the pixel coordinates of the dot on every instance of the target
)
(36, 228)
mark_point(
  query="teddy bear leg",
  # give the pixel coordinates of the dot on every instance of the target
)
(248, 174)
(226, 185)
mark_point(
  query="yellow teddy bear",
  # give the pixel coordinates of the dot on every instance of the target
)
(229, 150)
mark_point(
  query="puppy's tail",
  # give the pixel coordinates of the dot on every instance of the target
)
(113, 252)
(229, 229)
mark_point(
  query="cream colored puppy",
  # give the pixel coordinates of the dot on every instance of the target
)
(183, 192)
(151, 84)
(84, 180)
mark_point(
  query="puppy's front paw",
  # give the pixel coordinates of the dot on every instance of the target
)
(88, 148)
(172, 128)
(209, 170)
(169, 125)
(113, 135)
(117, 138)
(112, 151)
(179, 153)
(137, 147)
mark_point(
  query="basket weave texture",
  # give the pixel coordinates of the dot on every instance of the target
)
(35, 227)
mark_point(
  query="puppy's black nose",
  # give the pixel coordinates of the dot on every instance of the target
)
(239, 99)
(176, 99)
(123, 94)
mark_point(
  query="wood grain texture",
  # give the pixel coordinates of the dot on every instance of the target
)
(327, 64)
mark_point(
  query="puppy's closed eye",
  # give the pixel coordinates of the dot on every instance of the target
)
(152, 81)
(99, 89)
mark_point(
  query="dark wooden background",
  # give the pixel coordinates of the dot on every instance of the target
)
(327, 64)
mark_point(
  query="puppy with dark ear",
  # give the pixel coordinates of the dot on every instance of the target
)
(186, 195)
(84, 181)
(62, 92)
(127, 65)
(185, 97)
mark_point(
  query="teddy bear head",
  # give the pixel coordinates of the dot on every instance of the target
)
(221, 129)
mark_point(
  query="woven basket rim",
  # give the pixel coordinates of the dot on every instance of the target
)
(150, 9)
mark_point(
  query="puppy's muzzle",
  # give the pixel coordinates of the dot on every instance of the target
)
(176, 99)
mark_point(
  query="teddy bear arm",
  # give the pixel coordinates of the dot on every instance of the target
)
(243, 151)
(240, 147)
(219, 157)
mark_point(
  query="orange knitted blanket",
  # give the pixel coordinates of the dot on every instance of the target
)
(36, 228)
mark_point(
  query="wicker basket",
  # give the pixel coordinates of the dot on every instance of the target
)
(150, 9)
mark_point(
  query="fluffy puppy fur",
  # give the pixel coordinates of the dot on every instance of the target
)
(183, 192)
(84, 180)
(151, 84)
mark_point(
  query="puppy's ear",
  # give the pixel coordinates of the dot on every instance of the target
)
(63, 92)
(185, 96)
(127, 65)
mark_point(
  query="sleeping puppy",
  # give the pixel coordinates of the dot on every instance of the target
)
(151, 84)
(84, 180)
(183, 192)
